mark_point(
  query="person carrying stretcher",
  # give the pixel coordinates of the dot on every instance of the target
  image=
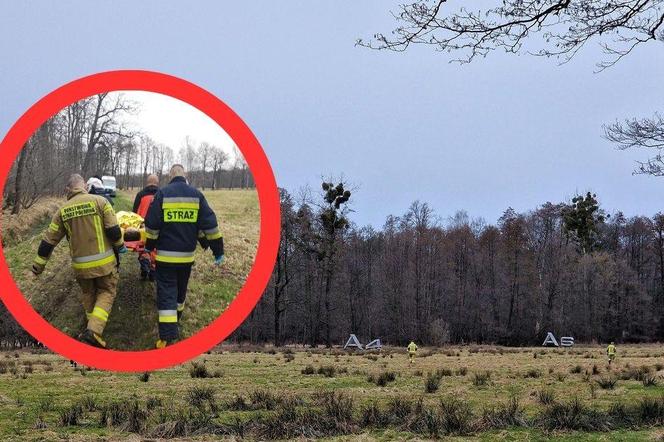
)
(141, 205)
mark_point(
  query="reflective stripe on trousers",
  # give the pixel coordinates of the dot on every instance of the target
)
(168, 316)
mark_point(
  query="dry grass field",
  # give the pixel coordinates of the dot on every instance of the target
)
(133, 321)
(456, 393)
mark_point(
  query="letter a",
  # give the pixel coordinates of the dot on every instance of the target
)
(353, 342)
(550, 339)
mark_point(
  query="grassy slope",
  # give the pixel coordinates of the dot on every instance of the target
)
(132, 323)
(22, 399)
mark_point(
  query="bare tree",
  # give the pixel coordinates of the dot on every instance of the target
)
(646, 133)
(205, 152)
(563, 26)
(219, 158)
(104, 122)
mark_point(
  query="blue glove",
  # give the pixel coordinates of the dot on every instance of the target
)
(218, 260)
(123, 249)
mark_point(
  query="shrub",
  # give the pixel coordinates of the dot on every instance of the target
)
(481, 378)
(442, 372)
(635, 373)
(607, 383)
(532, 373)
(596, 370)
(399, 409)
(456, 417)
(561, 377)
(239, 403)
(153, 402)
(383, 379)
(309, 369)
(432, 383)
(88, 403)
(649, 380)
(328, 370)
(201, 396)
(651, 411)
(136, 418)
(373, 416)
(576, 369)
(144, 377)
(462, 371)
(46, 403)
(504, 415)
(198, 370)
(573, 415)
(545, 396)
(39, 424)
(70, 416)
(263, 399)
(338, 407)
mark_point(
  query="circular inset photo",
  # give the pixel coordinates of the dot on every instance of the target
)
(131, 222)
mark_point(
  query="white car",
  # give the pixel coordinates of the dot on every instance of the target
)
(110, 185)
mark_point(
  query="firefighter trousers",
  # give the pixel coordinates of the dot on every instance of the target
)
(97, 297)
(172, 284)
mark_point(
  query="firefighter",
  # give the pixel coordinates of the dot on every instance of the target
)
(141, 205)
(611, 352)
(412, 349)
(176, 216)
(95, 244)
(145, 196)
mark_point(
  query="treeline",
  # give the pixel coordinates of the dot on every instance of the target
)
(567, 268)
(91, 137)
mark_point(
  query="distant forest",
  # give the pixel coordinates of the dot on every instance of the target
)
(90, 137)
(567, 268)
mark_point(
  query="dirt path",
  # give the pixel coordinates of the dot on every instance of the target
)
(133, 321)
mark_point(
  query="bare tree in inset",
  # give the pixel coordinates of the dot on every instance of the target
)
(103, 121)
(219, 158)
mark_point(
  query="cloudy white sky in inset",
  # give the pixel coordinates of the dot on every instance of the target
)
(170, 121)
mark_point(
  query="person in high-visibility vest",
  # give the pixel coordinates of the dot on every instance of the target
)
(611, 352)
(176, 215)
(412, 349)
(95, 244)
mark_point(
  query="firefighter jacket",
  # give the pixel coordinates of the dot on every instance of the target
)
(176, 216)
(89, 223)
(144, 199)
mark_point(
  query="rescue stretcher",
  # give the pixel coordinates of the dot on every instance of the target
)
(133, 233)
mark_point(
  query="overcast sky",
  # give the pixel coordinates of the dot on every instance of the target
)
(504, 131)
(170, 121)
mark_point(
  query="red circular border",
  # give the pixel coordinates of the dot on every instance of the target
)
(238, 310)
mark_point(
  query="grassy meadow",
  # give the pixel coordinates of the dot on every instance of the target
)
(456, 393)
(133, 321)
